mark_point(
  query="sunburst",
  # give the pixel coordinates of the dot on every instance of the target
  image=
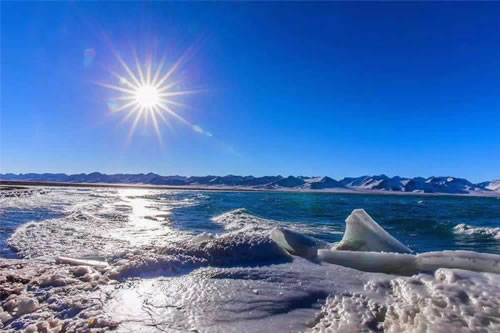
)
(149, 95)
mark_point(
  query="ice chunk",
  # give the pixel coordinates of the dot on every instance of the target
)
(364, 234)
(407, 264)
(468, 260)
(80, 262)
(26, 305)
(203, 237)
(393, 263)
(296, 243)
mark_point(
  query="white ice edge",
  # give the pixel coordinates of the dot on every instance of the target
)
(408, 264)
(366, 246)
(80, 262)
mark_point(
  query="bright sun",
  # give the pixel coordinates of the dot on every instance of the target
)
(147, 94)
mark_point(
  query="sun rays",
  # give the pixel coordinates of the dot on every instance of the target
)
(148, 94)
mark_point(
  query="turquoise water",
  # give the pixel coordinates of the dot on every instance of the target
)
(424, 223)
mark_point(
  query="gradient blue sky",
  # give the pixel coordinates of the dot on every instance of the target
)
(338, 89)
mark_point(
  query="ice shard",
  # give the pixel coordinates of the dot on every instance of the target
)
(364, 234)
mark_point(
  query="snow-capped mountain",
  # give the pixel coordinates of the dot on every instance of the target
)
(494, 185)
(380, 183)
(323, 183)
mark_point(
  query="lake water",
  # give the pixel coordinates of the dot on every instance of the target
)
(424, 223)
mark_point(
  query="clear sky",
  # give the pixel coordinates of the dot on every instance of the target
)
(338, 89)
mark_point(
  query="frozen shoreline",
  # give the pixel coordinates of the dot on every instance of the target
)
(134, 268)
(299, 296)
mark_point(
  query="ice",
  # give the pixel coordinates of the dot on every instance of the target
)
(296, 243)
(26, 305)
(97, 273)
(259, 298)
(448, 301)
(393, 263)
(364, 234)
(37, 296)
(469, 260)
(367, 247)
(78, 261)
(408, 264)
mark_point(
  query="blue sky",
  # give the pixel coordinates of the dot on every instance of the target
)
(338, 89)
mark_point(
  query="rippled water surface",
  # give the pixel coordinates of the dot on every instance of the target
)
(131, 217)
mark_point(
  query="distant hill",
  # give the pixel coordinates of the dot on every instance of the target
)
(380, 183)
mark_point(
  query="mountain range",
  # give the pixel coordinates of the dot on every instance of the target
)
(383, 183)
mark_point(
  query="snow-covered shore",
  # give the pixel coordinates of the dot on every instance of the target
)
(134, 269)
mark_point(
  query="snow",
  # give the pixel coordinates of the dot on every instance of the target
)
(39, 296)
(378, 183)
(449, 301)
(494, 186)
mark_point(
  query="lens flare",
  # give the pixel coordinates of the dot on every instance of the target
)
(147, 95)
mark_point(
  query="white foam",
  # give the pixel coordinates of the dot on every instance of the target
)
(104, 225)
(240, 220)
(464, 229)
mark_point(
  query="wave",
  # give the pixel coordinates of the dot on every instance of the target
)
(108, 235)
(241, 220)
(232, 249)
(465, 229)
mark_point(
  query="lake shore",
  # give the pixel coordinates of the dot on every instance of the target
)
(8, 183)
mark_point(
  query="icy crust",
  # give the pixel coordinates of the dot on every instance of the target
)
(448, 301)
(256, 298)
(69, 296)
(42, 297)
(207, 250)
(464, 229)
(74, 235)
